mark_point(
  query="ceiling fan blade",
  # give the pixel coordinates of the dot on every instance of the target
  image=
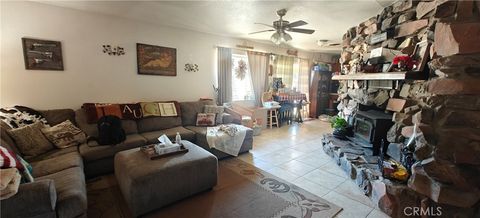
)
(297, 23)
(297, 30)
(260, 31)
(265, 24)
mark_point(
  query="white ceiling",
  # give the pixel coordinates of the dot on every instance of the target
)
(330, 18)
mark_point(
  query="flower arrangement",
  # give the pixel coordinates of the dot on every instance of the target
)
(403, 62)
(241, 70)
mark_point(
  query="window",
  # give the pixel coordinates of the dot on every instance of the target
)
(242, 87)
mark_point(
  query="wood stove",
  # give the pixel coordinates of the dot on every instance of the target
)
(370, 127)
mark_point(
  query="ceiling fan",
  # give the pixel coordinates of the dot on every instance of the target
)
(282, 26)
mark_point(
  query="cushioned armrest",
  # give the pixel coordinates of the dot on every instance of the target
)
(227, 118)
(32, 199)
(234, 116)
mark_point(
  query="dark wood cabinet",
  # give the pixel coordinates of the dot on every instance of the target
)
(319, 92)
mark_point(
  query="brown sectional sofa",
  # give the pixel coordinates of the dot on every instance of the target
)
(99, 159)
(59, 188)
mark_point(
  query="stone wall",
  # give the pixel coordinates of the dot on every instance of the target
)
(445, 109)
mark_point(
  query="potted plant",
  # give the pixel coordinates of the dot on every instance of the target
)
(339, 126)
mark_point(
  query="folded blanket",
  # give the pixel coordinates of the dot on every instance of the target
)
(226, 138)
(9, 182)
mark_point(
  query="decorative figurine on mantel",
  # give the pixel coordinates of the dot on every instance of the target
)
(402, 63)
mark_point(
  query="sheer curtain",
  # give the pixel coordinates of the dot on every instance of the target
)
(284, 69)
(259, 64)
(224, 68)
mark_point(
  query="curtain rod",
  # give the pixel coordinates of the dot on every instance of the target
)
(270, 53)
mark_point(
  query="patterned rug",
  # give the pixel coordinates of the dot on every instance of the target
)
(242, 191)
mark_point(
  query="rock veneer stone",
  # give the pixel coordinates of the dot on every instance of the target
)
(445, 108)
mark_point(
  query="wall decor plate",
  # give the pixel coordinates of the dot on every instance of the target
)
(156, 60)
(42, 54)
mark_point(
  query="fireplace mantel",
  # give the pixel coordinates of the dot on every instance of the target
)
(404, 75)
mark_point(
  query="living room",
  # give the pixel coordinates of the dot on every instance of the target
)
(240, 108)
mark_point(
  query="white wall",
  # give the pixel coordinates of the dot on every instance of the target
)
(92, 76)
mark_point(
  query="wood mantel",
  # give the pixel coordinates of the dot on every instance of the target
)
(410, 75)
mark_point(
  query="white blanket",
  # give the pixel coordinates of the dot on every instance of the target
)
(222, 141)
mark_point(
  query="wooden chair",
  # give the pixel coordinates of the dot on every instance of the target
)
(272, 111)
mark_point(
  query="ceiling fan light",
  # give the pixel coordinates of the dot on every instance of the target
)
(275, 38)
(286, 37)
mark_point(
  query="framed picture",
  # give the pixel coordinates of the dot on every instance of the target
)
(156, 60)
(420, 55)
(42, 54)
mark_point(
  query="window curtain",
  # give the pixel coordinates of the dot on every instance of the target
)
(304, 80)
(259, 65)
(224, 56)
(284, 69)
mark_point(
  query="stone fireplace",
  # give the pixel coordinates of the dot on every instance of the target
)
(436, 110)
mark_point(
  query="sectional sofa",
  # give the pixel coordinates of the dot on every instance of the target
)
(59, 188)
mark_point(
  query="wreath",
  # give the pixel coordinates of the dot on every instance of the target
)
(241, 70)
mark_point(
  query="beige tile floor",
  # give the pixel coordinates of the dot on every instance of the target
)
(294, 153)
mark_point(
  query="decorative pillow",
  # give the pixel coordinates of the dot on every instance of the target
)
(8, 159)
(30, 140)
(218, 110)
(150, 109)
(205, 119)
(168, 109)
(20, 116)
(131, 111)
(64, 135)
(95, 111)
(26, 172)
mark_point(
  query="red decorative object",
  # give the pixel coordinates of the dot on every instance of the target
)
(403, 62)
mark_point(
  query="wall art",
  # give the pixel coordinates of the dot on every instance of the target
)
(156, 60)
(42, 54)
(113, 50)
(191, 67)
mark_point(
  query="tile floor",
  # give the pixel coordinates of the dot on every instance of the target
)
(295, 153)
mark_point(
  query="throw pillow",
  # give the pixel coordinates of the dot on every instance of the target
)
(30, 139)
(131, 111)
(150, 109)
(64, 135)
(169, 109)
(20, 116)
(8, 159)
(218, 110)
(205, 119)
(95, 111)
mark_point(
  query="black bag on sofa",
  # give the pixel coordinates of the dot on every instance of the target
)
(110, 131)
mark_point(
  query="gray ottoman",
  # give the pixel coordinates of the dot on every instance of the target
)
(148, 184)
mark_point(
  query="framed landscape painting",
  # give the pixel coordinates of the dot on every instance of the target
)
(42, 54)
(156, 60)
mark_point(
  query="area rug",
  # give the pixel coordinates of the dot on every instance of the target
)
(242, 191)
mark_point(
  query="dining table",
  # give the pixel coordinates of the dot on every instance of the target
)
(288, 102)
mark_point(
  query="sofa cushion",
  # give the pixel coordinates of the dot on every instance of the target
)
(130, 126)
(71, 191)
(191, 109)
(149, 124)
(152, 137)
(30, 139)
(53, 153)
(93, 151)
(57, 116)
(56, 164)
